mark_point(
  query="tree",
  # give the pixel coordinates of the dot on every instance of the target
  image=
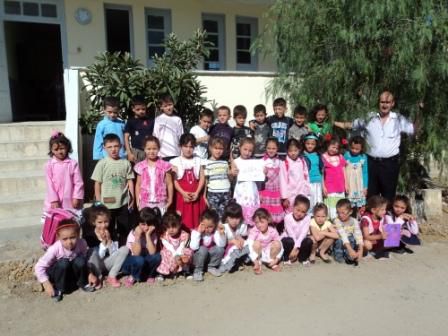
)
(344, 53)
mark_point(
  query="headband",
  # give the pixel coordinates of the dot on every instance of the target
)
(66, 226)
(311, 136)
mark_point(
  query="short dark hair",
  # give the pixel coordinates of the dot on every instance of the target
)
(375, 201)
(405, 200)
(150, 216)
(171, 219)
(151, 138)
(210, 214)
(166, 98)
(232, 210)
(357, 140)
(138, 100)
(279, 102)
(293, 143)
(274, 140)
(299, 110)
(111, 137)
(239, 111)
(316, 109)
(111, 101)
(225, 108)
(301, 199)
(98, 210)
(344, 203)
(247, 140)
(259, 108)
(60, 139)
(187, 138)
(206, 113)
(320, 206)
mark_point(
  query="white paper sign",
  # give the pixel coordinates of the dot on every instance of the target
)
(251, 170)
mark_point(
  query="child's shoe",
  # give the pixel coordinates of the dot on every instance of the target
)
(408, 250)
(57, 297)
(129, 281)
(160, 278)
(113, 282)
(88, 288)
(214, 271)
(198, 276)
(151, 281)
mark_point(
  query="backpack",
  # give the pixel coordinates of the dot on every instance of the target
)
(51, 221)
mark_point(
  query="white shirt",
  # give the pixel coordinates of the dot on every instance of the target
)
(383, 140)
(168, 130)
(201, 149)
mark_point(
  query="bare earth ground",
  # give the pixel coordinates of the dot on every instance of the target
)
(407, 295)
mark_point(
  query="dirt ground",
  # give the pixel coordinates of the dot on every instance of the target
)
(406, 295)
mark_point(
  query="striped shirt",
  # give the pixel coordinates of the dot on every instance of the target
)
(217, 173)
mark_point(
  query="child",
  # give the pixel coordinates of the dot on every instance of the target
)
(223, 130)
(154, 185)
(356, 172)
(264, 242)
(310, 142)
(235, 231)
(63, 268)
(270, 195)
(349, 245)
(334, 175)
(319, 123)
(294, 238)
(239, 131)
(208, 242)
(176, 257)
(65, 188)
(401, 213)
(280, 125)
(246, 192)
(323, 233)
(372, 226)
(189, 182)
(114, 187)
(261, 129)
(111, 124)
(144, 259)
(216, 172)
(200, 132)
(105, 256)
(137, 128)
(298, 129)
(168, 129)
(294, 178)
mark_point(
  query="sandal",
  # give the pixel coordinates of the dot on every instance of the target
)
(257, 268)
(325, 260)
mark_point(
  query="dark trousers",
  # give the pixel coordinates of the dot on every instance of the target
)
(340, 253)
(120, 224)
(67, 276)
(304, 250)
(383, 177)
(142, 267)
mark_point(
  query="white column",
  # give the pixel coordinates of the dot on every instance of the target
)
(5, 98)
(71, 88)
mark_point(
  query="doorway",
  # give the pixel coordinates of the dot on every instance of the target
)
(35, 71)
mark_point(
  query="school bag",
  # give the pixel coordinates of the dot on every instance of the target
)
(51, 221)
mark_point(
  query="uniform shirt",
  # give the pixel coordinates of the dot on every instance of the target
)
(217, 173)
(261, 133)
(296, 132)
(239, 133)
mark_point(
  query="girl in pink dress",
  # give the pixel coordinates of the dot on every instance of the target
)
(270, 198)
(154, 186)
(176, 257)
(334, 175)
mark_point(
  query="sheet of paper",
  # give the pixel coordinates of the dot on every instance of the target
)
(251, 170)
(393, 235)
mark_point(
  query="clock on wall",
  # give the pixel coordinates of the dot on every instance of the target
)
(83, 16)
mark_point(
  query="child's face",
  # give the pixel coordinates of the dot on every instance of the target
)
(144, 227)
(167, 107)
(139, 110)
(343, 213)
(239, 121)
(271, 149)
(151, 150)
(299, 119)
(355, 149)
(299, 211)
(68, 238)
(233, 222)
(260, 117)
(111, 112)
(279, 110)
(205, 122)
(399, 208)
(262, 224)
(223, 116)
(187, 150)
(216, 151)
(113, 149)
(320, 217)
(209, 226)
(293, 152)
(246, 150)
(310, 145)
(321, 115)
(173, 231)
(59, 151)
(379, 212)
(333, 149)
(101, 222)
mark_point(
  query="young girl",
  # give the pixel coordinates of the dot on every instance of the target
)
(372, 226)
(356, 172)
(294, 179)
(63, 267)
(323, 233)
(144, 259)
(334, 175)
(310, 142)
(189, 182)
(264, 242)
(65, 188)
(401, 213)
(246, 192)
(319, 123)
(105, 256)
(154, 186)
(235, 231)
(176, 257)
(270, 195)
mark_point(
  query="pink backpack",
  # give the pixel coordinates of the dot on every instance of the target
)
(52, 219)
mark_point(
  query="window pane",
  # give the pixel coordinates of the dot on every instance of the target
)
(214, 55)
(210, 26)
(243, 57)
(48, 10)
(155, 37)
(156, 50)
(243, 29)
(214, 39)
(156, 22)
(31, 9)
(12, 7)
(212, 66)
(243, 43)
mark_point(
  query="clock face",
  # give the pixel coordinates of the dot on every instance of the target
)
(83, 16)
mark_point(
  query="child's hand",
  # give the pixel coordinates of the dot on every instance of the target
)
(194, 196)
(131, 157)
(234, 170)
(201, 228)
(252, 125)
(151, 229)
(76, 203)
(48, 287)
(55, 205)
(407, 217)
(285, 204)
(186, 197)
(107, 238)
(221, 229)
(137, 232)
(294, 254)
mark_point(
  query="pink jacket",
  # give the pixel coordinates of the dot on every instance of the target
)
(297, 230)
(294, 179)
(142, 169)
(64, 183)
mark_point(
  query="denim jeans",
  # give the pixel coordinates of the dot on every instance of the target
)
(142, 267)
(340, 253)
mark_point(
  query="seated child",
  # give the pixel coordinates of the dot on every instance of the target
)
(63, 267)
(208, 243)
(264, 242)
(323, 233)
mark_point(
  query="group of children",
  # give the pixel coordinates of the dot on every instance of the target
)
(192, 212)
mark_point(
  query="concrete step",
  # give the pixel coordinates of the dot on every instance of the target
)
(22, 222)
(22, 164)
(29, 131)
(21, 206)
(23, 149)
(18, 183)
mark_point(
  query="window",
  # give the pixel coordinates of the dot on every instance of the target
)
(28, 8)
(214, 26)
(118, 29)
(158, 23)
(246, 32)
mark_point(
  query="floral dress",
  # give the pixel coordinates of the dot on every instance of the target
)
(270, 198)
(173, 247)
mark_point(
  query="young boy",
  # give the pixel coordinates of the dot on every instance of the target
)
(222, 129)
(349, 246)
(168, 129)
(280, 124)
(114, 187)
(262, 130)
(200, 132)
(137, 129)
(298, 129)
(239, 131)
(111, 124)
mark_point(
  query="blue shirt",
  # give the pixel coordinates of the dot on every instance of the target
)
(315, 169)
(107, 126)
(362, 160)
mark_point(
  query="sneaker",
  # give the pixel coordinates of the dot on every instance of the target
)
(57, 297)
(198, 276)
(88, 288)
(151, 281)
(408, 250)
(287, 263)
(382, 255)
(160, 278)
(306, 263)
(129, 281)
(113, 282)
(214, 271)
